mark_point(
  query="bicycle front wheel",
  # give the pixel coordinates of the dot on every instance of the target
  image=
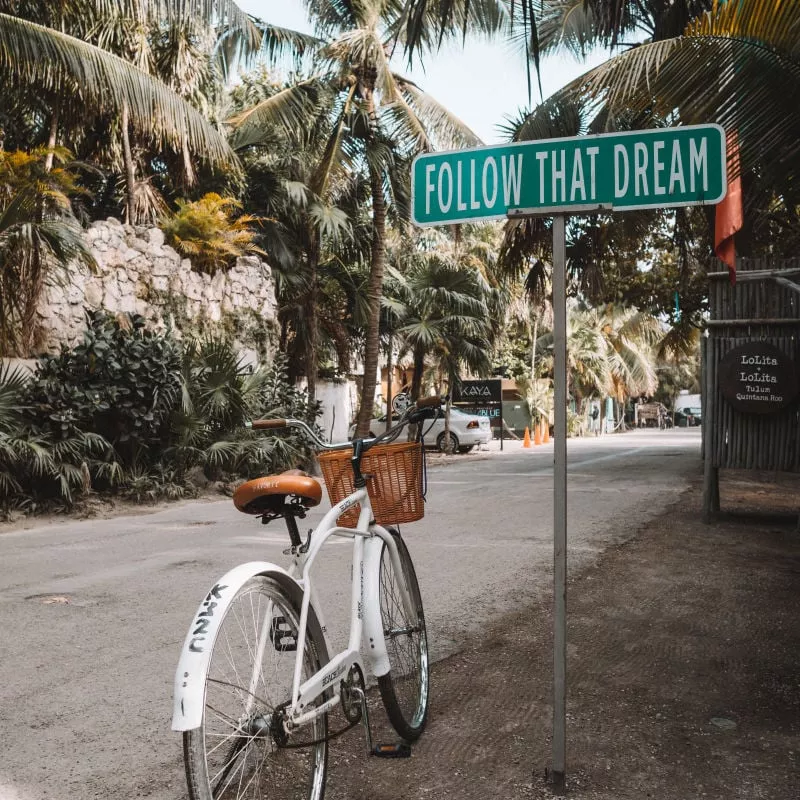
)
(240, 749)
(405, 689)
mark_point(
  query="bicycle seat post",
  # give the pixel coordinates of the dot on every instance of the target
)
(294, 531)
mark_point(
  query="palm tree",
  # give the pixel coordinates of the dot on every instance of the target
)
(89, 71)
(38, 234)
(631, 336)
(380, 120)
(443, 319)
(315, 206)
(735, 63)
(611, 352)
(530, 311)
(588, 367)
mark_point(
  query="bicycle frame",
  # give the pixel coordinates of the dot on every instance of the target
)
(366, 626)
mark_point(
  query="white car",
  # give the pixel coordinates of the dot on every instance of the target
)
(466, 430)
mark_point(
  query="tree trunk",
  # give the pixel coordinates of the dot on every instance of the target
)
(189, 174)
(416, 386)
(534, 386)
(51, 141)
(389, 383)
(448, 443)
(312, 337)
(419, 366)
(130, 169)
(375, 284)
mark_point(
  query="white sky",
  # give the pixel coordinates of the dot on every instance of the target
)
(481, 84)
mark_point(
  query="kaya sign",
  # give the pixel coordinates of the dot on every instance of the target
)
(636, 169)
(758, 378)
(483, 391)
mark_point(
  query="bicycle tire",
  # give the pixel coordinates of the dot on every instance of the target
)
(233, 755)
(405, 689)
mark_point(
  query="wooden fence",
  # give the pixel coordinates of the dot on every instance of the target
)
(763, 306)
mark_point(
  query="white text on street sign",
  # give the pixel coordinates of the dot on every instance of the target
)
(638, 169)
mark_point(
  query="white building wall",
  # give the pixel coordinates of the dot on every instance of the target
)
(338, 409)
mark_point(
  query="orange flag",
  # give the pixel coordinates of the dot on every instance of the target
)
(728, 217)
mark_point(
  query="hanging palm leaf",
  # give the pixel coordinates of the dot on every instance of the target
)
(40, 57)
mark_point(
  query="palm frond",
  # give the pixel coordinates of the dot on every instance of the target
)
(424, 24)
(12, 385)
(42, 58)
(332, 223)
(738, 65)
(569, 25)
(287, 109)
(442, 126)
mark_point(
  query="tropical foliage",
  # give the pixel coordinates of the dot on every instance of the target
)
(39, 234)
(124, 108)
(691, 61)
(377, 120)
(118, 83)
(133, 413)
(208, 232)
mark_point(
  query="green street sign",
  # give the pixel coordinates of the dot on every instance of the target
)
(659, 168)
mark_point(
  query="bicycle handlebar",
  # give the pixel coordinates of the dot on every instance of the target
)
(427, 403)
(262, 424)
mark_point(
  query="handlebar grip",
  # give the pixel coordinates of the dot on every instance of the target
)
(429, 402)
(263, 424)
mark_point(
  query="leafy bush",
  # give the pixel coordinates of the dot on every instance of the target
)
(42, 468)
(129, 412)
(121, 382)
(209, 232)
(220, 393)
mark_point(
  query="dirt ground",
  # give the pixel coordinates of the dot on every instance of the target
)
(683, 674)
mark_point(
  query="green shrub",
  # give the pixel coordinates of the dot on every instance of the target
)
(220, 393)
(209, 233)
(130, 412)
(43, 468)
(121, 383)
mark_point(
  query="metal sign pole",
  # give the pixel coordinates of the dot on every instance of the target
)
(559, 505)
(558, 768)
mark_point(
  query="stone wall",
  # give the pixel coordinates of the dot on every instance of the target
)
(138, 273)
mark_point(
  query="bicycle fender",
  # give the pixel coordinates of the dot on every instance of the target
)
(374, 644)
(190, 676)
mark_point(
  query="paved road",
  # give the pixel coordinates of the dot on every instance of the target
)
(85, 687)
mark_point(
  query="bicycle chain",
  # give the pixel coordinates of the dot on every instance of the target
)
(353, 715)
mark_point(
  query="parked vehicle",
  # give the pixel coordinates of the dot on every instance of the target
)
(466, 430)
(688, 416)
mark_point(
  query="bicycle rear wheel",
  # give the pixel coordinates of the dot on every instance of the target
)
(405, 689)
(239, 749)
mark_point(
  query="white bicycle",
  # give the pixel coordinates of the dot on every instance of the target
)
(257, 695)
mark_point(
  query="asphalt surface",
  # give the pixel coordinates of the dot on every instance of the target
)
(94, 612)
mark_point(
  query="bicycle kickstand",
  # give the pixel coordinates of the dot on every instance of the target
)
(399, 750)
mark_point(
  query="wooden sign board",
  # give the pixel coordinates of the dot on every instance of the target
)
(758, 378)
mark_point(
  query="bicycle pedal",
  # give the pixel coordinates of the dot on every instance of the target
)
(400, 750)
(283, 635)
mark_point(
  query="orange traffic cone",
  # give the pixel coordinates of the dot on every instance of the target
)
(537, 434)
(526, 440)
(545, 431)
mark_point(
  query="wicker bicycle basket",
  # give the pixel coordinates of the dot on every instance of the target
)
(394, 482)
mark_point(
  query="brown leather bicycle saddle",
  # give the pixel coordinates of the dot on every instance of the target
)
(269, 494)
